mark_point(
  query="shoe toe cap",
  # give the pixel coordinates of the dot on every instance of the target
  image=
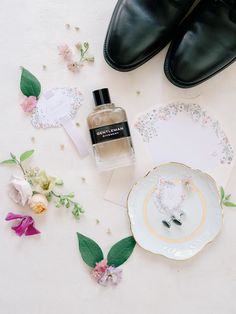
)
(119, 53)
(132, 38)
(194, 59)
(183, 68)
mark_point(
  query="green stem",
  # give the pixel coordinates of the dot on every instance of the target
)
(77, 211)
(63, 196)
(56, 195)
(23, 170)
(20, 165)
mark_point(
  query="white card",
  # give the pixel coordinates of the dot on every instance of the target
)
(185, 133)
(57, 107)
(54, 105)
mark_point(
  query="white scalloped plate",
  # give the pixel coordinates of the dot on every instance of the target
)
(201, 223)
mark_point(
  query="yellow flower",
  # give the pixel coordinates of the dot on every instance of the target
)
(42, 183)
(38, 203)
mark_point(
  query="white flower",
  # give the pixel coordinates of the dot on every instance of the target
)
(112, 276)
(20, 190)
(42, 183)
(38, 203)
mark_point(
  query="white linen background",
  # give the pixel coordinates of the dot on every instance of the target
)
(45, 274)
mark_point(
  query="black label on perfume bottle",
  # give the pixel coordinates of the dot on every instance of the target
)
(110, 132)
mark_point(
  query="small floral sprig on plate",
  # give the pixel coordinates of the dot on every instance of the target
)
(225, 199)
(31, 88)
(67, 54)
(105, 271)
(36, 188)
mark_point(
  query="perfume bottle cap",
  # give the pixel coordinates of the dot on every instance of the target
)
(101, 96)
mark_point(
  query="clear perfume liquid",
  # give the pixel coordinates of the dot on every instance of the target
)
(112, 144)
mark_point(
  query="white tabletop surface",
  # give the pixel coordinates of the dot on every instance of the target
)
(45, 274)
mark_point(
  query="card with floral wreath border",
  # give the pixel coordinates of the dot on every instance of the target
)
(186, 133)
(106, 272)
(54, 108)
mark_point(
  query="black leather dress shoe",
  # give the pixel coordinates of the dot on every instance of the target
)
(205, 43)
(139, 29)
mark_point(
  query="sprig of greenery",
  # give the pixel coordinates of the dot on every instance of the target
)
(68, 202)
(225, 199)
(18, 161)
(63, 200)
(83, 49)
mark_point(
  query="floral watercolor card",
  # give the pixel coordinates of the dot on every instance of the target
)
(185, 133)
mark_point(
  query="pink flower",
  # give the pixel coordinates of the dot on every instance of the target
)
(101, 266)
(74, 66)
(29, 104)
(65, 52)
(25, 225)
(99, 269)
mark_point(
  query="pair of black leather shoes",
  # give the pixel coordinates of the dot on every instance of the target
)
(203, 44)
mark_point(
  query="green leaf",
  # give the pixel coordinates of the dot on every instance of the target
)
(59, 182)
(227, 197)
(62, 201)
(229, 204)
(76, 212)
(26, 155)
(90, 251)
(81, 209)
(89, 59)
(29, 84)
(9, 161)
(222, 193)
(13, 156)
(86, 45)
(81, 52)
(121, 251)
(71, 195)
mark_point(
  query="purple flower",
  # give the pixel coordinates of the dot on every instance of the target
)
(25, 225)
(112, 276)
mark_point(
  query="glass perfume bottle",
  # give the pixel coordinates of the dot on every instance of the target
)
(110, 134)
